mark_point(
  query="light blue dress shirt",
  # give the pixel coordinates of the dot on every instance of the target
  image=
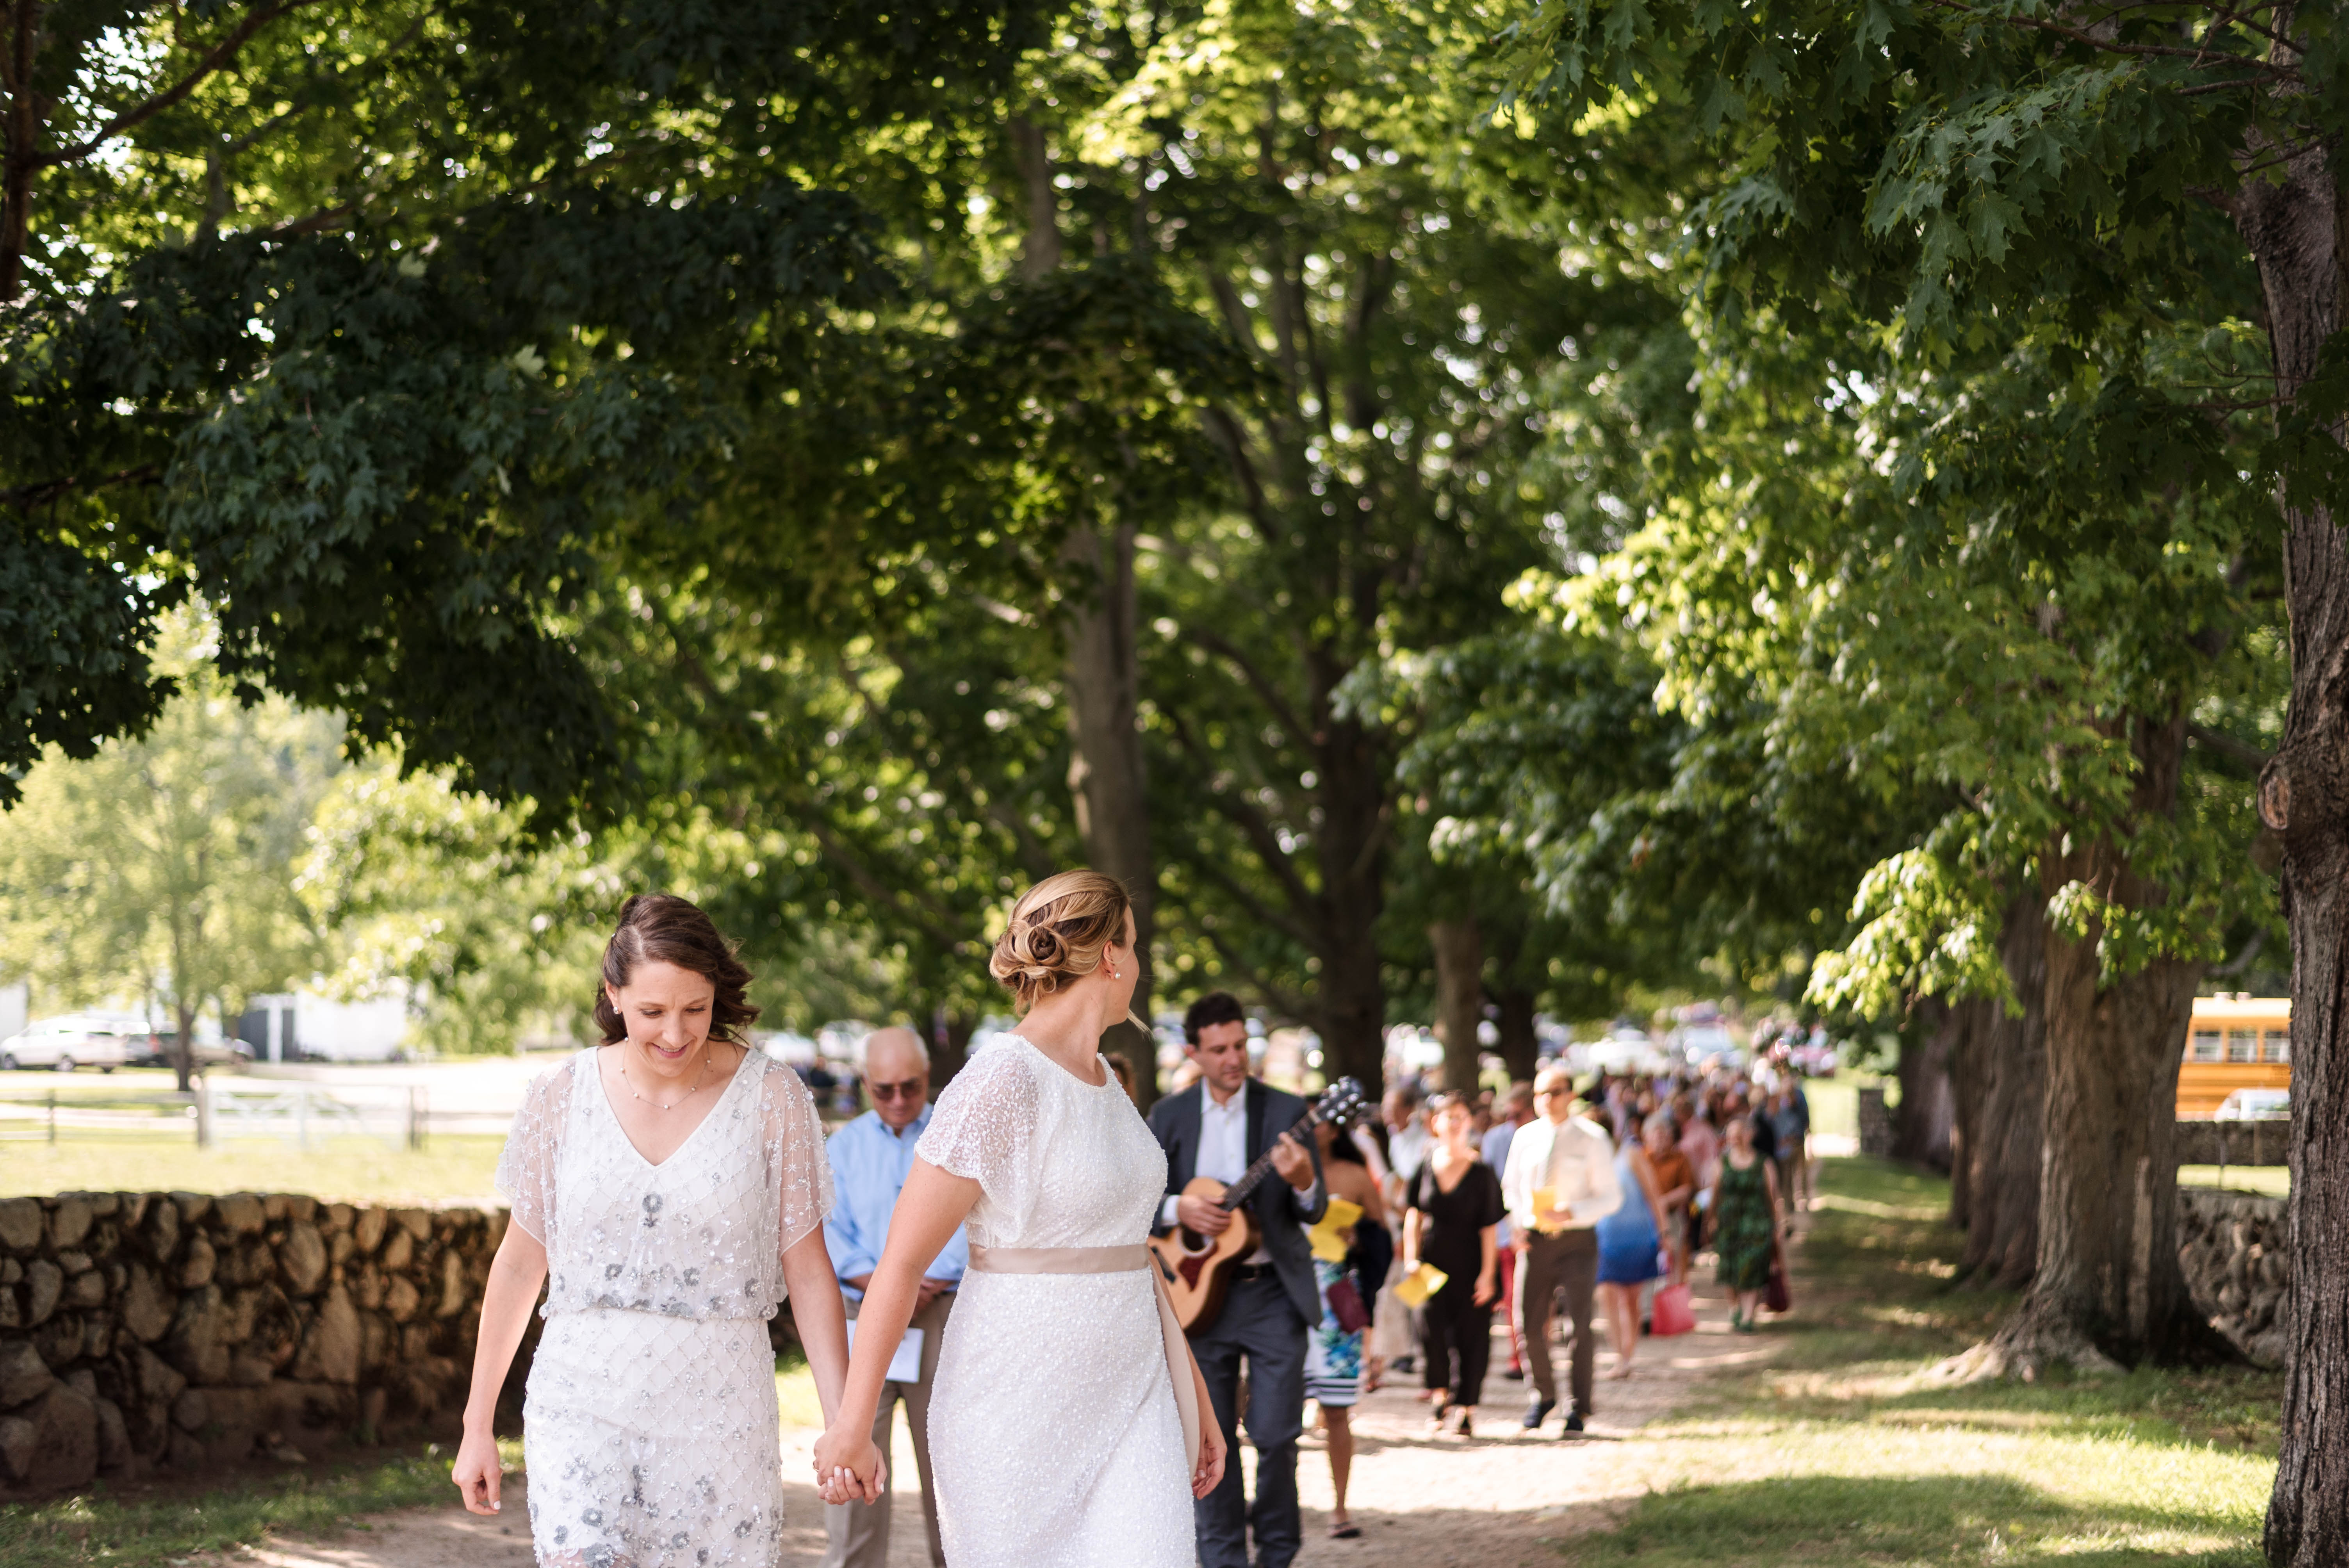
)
(869, 1167)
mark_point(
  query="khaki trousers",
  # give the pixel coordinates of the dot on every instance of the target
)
(856, 1534)
(1567, 1261)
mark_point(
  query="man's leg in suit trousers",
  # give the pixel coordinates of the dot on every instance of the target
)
(856, 1534)
(1274, 1337)
(932, 1322)
(1536, 1285)
(1221, 1516)
(1578, 1275)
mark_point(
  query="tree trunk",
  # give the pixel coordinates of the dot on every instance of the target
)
(1973, 1069)
(1039, 252)
(1459, 950)
(1107, 781)
(2292, 221)
(1520, 1045)
(1923, 1131)
(2003, 1229)
(949, 1046)
(183, 1049)
(2107, 1289)
(1351, 853)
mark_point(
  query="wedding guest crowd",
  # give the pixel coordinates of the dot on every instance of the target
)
(1389, 1243)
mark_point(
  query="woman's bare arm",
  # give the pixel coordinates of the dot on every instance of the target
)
(822, 1323)
(515, 1275)
(929, 1208)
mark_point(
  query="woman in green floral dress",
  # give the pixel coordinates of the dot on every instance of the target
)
(1745, 1216)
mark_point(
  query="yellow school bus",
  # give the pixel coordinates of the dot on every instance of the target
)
(2235, 1042)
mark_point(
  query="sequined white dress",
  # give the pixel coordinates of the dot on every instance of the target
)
(649, 1423)
(1054, 1438)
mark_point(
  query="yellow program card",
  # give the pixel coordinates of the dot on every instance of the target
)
(1328, 1237)
(1415, 1287)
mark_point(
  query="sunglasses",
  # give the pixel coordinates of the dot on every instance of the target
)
(904, 1088)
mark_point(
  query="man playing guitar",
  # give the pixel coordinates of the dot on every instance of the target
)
(1217, 1128)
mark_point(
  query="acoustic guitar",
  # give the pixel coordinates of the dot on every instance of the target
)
(1198, 1269)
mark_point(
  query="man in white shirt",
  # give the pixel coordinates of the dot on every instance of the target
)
(1217, 1128)
(1570, 1163)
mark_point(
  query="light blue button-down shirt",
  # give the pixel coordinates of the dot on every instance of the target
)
(869, 1167)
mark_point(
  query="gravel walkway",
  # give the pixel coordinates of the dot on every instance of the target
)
(1500, 1500)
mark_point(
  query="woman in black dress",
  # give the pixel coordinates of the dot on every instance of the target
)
(1452, 1206)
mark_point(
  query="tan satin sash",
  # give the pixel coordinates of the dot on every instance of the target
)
(1112, 1260)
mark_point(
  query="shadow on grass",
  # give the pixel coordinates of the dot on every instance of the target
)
(1879, 1301)
(147, 1525)
(1917, 1522)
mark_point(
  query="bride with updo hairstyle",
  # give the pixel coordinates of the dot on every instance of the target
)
(668, 1186)
(1065, 1427)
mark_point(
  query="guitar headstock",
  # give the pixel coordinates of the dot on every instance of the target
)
(1341, 1102)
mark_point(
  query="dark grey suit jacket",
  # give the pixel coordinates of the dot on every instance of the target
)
(1279, 1209)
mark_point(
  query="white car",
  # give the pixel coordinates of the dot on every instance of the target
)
(2255, 1105)
(65, 1044)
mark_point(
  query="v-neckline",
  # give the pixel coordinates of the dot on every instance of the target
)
(1437, 1176)
(604, 1094)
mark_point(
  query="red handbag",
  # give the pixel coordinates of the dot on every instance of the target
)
(1673, 1314)
(1346, 1306)
(1774, 1295)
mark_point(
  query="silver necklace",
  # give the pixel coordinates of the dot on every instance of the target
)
(697, 1077)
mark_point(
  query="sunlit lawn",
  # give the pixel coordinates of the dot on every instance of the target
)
(2275, 1180)
(150, 1526)
(353, 1169)
(1835, 1103)
(1844, 1449)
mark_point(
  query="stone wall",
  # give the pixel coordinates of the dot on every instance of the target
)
(2235, 1142)
(147, 1331)
(2232, 1248)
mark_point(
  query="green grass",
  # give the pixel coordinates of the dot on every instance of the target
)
(1835, 1103)
(35, 1086)
(149, 1526)
(2275, 1180)
(1844, 1448)
(352, 1169)
(796, 1404)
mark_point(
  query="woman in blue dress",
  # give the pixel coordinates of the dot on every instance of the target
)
(1628, 1240)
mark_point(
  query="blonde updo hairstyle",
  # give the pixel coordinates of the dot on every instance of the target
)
(1057, 933)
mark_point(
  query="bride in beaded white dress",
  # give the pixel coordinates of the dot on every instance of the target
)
(666, 1239)
(1064, 1417)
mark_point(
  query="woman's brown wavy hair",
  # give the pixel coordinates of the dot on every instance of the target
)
(660, 928)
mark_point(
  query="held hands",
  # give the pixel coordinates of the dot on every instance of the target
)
(477, 1472)
(1210, 1472)
(848, 1469)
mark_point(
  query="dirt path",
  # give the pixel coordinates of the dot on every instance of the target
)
(1495, 1501)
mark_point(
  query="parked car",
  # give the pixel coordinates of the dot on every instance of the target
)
(2255, 1105)
(155, 1051)
(74, 1041)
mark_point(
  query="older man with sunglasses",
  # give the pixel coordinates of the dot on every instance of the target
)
(870, 1157)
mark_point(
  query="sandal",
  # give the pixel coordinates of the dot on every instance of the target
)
(1347, 1531)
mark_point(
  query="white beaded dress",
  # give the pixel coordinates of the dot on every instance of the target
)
(1055, 1441)
(650, 1421)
